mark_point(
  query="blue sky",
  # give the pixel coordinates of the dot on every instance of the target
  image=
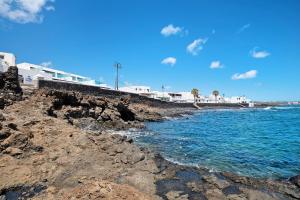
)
(236, 46)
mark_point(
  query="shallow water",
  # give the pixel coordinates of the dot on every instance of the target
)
(251, 142)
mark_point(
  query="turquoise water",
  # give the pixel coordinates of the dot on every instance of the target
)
(262, 143)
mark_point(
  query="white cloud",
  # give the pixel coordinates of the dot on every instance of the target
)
(216, 64)
(171, 30)
(46, 64)
(24, 11)
(169, 61)
(259, 54)
(246, 75)
(243, 28)
(196, 46)
(50, 8)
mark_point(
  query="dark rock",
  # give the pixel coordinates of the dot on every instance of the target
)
(2, 118)
(231, 190)
(12, 126)
(125, 112)
(38, 148)
(5, 133)
(11, 80)
(295, 180)
(9, 87)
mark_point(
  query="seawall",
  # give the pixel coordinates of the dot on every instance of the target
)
(98, 91)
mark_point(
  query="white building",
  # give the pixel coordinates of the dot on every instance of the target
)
(238, 99)
(138, 89)
(181, 97)
(31, 72)
(6, 60)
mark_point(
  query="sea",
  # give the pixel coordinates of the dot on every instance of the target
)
(254, 142)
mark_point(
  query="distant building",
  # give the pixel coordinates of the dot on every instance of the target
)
(181, 97)
(238, 99)
(6, 60)
(138, 89)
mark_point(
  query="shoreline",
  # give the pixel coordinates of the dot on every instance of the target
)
(53, 146)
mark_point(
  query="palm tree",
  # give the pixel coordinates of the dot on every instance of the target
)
(216, 94)
(195, 93)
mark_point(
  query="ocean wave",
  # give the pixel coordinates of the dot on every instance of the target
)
(285, 107)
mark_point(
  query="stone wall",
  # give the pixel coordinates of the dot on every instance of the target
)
(97, 91)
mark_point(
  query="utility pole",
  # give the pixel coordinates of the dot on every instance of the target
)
(117, 65)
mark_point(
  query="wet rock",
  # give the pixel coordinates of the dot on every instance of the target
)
(232, 189)
(22, 192)
(295, 180)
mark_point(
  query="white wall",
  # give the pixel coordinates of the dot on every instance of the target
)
(136, 89)
(6, 60)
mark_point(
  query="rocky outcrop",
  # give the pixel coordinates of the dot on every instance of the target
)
(84, 110)
(10, 89)
(55, 145)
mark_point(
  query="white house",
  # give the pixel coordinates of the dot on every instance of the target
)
(210, 99)
(138, 89)
(6, 60)
(238, 99)
(164, 96)
(181, 97)
(31, 72)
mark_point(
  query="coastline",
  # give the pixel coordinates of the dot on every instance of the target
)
(52, 146)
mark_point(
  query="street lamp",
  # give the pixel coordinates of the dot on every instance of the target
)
(117, 65)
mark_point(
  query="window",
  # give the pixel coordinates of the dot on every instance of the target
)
(80, 79)
(48, 72)
(59, 75)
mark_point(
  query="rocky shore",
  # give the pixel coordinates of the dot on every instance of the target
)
(57, 145)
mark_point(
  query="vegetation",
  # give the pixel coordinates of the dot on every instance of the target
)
(195, 93)
(216, 94)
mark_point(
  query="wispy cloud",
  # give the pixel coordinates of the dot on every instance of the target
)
(246, 75)
(169, 61)
(50, 8)
(243, 28)
(46, 64)
(24, 11)
(196, 46)
(216, 64)
(259, 54)
(173, 30)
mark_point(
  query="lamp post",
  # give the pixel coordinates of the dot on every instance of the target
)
(117, 65)
(163, 91)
